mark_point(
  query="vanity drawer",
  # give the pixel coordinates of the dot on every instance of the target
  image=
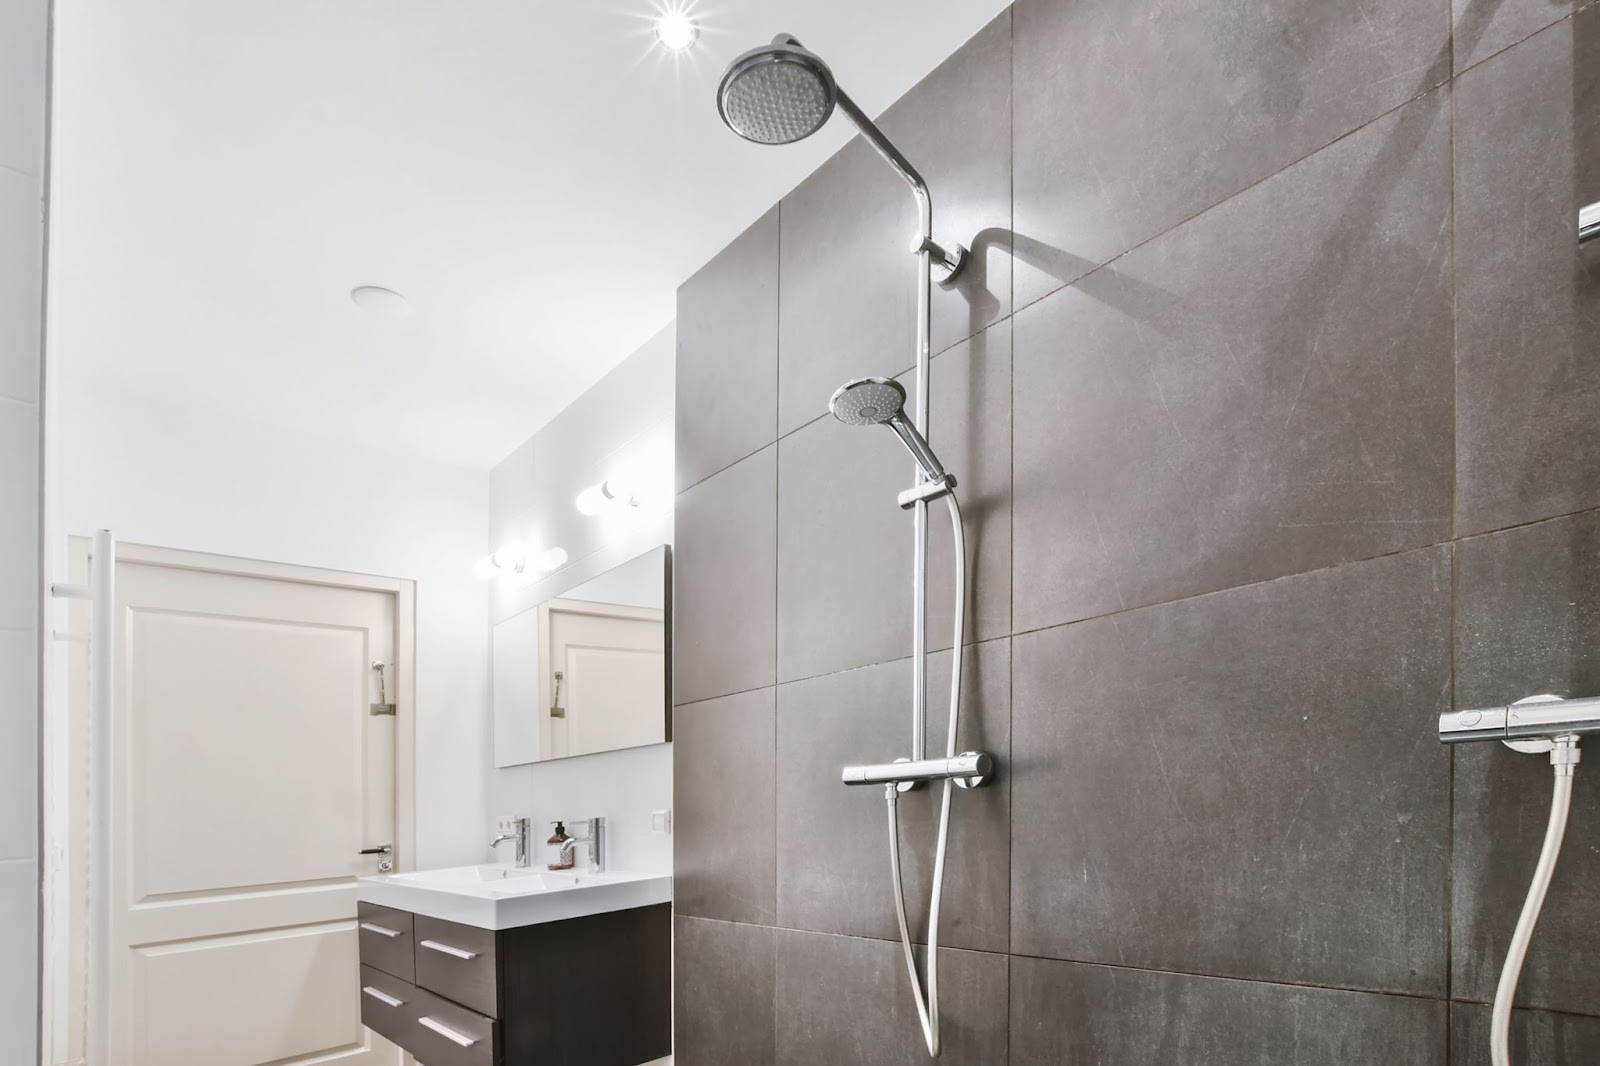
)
(385, 1003)
(440, 1033)
(458, 962)
(386, 940)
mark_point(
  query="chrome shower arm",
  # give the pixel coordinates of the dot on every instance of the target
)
(947, 262)
(1588, 223)
(894, 157)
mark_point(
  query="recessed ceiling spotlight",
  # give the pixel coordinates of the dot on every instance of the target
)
(676, 30)
(380, 301)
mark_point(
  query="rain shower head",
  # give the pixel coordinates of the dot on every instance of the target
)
(881, 402)
(777, 94)
(781, 93)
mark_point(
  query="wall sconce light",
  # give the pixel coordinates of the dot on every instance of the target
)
(515, 558)
(608, 496)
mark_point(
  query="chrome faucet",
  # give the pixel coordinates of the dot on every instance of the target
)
(520, 835)
(593, 834)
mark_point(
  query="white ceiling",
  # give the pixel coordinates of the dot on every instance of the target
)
(535, 175)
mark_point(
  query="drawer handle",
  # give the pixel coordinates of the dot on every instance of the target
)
(434, 945)
(446, 1032)
(383, 997)
(381, 930)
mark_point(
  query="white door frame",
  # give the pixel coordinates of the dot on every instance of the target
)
(64, 997)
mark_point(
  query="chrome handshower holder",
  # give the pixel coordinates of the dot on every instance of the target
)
(927, 491)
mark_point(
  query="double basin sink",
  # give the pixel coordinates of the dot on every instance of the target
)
(509, 897)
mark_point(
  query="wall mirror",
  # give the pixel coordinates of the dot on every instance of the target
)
(588, 670)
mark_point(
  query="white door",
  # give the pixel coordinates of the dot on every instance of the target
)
(612, 688)
(247, 774)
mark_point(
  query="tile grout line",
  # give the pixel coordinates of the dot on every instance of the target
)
(1318, 150)
(1423, 997)
(814, 419)
(1011, 525)
(1455, 510)
(777, 531)
(1430, 546)
(1476, 63)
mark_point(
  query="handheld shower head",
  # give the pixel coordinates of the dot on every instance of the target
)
(868, 401)
(777, 94)
(881, 402)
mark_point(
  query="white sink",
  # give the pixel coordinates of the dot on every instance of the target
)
(505, 897)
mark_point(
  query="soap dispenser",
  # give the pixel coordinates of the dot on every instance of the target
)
(567, 857)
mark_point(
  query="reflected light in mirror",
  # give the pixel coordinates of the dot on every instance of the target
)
(514, 558)
(608, 496)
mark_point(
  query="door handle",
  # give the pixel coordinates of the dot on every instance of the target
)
(386, 850)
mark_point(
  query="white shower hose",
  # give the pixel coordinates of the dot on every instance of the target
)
(928, 1005)
(1564, 757)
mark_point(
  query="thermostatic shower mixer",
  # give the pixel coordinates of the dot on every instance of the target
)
(1534, 725)
(1536, 718)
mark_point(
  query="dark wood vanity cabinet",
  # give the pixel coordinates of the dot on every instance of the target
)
(591, 991)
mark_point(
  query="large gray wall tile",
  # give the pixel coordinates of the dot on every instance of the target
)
(727, 382)
(845, 1001)
(1131, 118)
(1528, 299)
(1528, 621)
(1263, 391)
(1067, 1014)
(844, 544)
(1247, 784)
(833, 858)
(1484, 27)
(724, 566)
(724, 976)
(723, 795)
(849, 297)
(1537, 1038)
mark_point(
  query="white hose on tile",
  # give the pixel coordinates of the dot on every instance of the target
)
(928, 1004)
(1564, 757)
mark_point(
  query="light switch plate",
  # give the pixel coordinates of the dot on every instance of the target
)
(660, 821)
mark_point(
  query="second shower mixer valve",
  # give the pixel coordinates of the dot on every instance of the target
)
(1535, 725)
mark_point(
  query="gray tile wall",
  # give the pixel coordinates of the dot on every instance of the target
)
(1272, 398)
(24, 61)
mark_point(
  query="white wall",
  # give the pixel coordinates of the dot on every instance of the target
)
(24, 37)
(623, 424)
(185, 478)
